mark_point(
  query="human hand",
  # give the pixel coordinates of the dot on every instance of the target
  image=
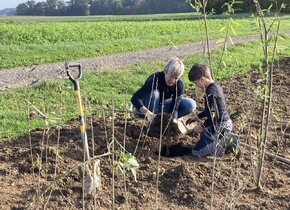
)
(191, 119)
(197, 129)
(149, 116)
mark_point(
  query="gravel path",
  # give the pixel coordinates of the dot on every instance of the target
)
(23, 76)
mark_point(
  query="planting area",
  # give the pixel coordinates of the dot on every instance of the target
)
(47, 175)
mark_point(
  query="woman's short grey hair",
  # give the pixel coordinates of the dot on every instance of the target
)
(174, 67)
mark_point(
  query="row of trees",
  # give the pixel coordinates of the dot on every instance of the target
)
(109, 7)
(220, 6)
(101, 7)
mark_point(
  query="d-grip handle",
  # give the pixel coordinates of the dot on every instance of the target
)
(74, 80)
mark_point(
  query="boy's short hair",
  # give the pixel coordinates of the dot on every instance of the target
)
(197, 71)
(174, 67)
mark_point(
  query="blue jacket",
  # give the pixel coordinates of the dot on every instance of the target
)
(157, 81)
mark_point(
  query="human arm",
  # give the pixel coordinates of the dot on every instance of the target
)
(145, 91)
(209, 107)
(148, 114)
(212, 110)
(195, 130)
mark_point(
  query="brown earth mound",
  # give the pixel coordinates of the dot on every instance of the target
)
(39, 169)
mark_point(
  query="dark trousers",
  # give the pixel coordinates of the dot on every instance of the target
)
(213, 141)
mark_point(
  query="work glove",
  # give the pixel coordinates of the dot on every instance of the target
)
(149, 116)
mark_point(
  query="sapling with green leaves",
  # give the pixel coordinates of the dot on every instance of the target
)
(126, 162)
(269, 33)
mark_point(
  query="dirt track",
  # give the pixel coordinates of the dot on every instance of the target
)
(22, 76)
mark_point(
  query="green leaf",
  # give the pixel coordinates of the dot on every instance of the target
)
(224, 64)
(119, 167)
(219, 41)
(132, 163)
(283, 6)
(233, 30)
(222, 28)
(230, 38)
(133, 171)
(231, 139)
(235, 150)
(126, 157)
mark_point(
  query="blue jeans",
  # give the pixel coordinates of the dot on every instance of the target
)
(186, 105)
(212, 142)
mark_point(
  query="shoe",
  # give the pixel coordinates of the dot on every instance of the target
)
(232, 147)
(229, 150)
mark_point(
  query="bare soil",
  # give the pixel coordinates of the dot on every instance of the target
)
(184, 182)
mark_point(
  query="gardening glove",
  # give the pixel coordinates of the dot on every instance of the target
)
(149, 116)
(174, 120)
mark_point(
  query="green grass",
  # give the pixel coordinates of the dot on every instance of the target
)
(97, 18)
(144, 17)
(26, 43)
(136, 18)
(56, 98)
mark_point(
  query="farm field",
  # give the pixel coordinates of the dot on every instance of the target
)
(26, 43)
(141, 17)
(39, 156)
